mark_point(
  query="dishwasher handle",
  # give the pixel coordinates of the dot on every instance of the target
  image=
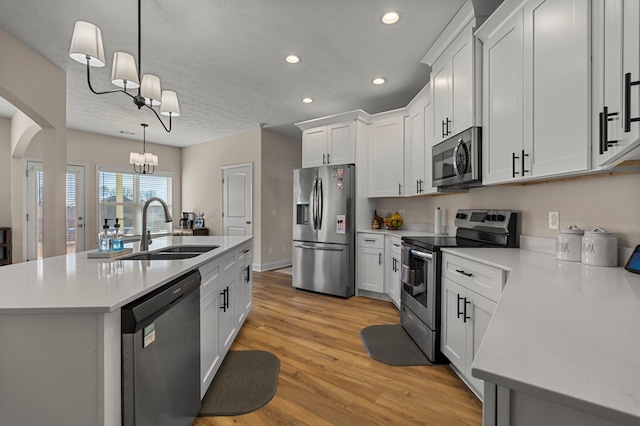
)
(141, 312)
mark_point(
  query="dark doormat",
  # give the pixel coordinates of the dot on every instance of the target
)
(246, 381)
(390, 344)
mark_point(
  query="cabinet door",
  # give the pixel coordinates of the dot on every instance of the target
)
(462, 77)
(480, 309)
(631, 62)
(341, 144)
(415, 151)
(242, 294)
(427, 186)
(453, 337)
(314, 147)
(392, 268)
(557, 63)
(209, 352)
(502, 102)
(440, 89)
(371, 269)
(387, 171)
(227, 292)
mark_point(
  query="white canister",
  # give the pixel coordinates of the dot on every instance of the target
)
(569, 244)
(599, 248)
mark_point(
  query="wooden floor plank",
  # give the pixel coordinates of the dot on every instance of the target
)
(326, 376)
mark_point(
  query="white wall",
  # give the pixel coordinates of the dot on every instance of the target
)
(610, 201)
(280, 155)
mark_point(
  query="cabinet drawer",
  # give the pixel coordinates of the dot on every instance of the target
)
(371, 240)
(480, 278)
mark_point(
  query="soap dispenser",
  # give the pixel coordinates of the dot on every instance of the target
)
(118, 236)
(105, 238)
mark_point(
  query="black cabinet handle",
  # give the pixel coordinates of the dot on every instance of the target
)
(225, 299)
(328, 160)
(522, 160)
(443, 131)
(248, 278)
(513, 164)
(465, 318)
(379, 258)
(601, 133)
(447, 125)
(399, 189)
(627, 102)
(464, 273)
(458, 305)
(605, 117)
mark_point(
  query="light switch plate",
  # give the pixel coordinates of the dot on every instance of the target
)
(554, 220)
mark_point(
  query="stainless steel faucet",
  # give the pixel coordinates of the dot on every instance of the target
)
(146, 235)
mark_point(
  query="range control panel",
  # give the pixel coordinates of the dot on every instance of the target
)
(472, 218)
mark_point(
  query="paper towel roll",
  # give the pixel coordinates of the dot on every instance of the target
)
(439, 229)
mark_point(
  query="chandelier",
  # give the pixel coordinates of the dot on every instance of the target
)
(86, 47)
(146, 162)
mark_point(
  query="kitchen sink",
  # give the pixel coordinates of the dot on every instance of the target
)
(187, 249)
(160, 256)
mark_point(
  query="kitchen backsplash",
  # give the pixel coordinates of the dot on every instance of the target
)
(611, 201)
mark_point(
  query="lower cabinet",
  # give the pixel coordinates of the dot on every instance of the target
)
(225, 302)
(392, 268)
(370, 262)
(470, 292)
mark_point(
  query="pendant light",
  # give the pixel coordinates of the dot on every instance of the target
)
(146, 162)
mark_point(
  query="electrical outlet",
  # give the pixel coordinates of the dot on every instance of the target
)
(554, 220)
(274, 212)
(270, 250)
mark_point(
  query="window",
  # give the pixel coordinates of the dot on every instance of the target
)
(123, 194)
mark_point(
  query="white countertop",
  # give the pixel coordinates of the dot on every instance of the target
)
(563, 331)
(401, 233)
(74, 283)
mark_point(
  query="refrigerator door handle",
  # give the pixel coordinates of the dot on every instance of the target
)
(319, 248)
(313, 205)
(320, 204)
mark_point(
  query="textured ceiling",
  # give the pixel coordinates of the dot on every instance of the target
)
(225, 59)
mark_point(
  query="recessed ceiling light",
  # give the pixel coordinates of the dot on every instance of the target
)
(378, 81)
(307, 100)
(292, 59)
(390, 18)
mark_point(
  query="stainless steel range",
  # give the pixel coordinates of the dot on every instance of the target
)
(421, 270)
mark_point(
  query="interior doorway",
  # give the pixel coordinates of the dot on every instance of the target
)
(75, 209)
(237, 199)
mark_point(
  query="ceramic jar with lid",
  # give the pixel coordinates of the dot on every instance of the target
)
(569, 244)
(599, 248)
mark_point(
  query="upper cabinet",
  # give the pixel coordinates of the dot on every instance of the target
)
(536, 88)
(331, 140)
(386, 177)
(616, 55)
(455, 76)
(418, 144)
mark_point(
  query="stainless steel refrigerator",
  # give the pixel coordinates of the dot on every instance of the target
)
(324, 229)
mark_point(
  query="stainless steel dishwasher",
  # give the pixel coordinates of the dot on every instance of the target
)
(161, 355)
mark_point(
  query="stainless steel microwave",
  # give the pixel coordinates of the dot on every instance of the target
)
(456, 161)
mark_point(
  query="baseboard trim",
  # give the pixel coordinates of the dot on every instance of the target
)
(261, 267)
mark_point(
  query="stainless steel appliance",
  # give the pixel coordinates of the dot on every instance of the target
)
(421, 270)
(188, 219)
(161, 355)
(456, 161)
(323, 230)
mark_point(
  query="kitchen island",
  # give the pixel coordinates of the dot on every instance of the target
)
(563, 345)
(60, 338)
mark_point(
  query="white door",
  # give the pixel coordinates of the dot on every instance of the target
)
(75, 214)
(237, 197)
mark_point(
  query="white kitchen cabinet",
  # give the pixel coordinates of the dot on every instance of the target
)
(470, 292)
(370, 262)
(503, 103)
(225, 302)
(418, 144)
(551, 90)
(453, 87)
(616, 52)
(386, 177)
(333, 139)
(393, 263)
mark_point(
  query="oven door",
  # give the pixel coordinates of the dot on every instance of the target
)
(419, 283)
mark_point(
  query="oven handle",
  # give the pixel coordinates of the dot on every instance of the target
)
(421, 254)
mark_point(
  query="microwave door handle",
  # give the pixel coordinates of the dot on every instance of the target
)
(455, 156)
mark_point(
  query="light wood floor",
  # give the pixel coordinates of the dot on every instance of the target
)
(326, 377)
